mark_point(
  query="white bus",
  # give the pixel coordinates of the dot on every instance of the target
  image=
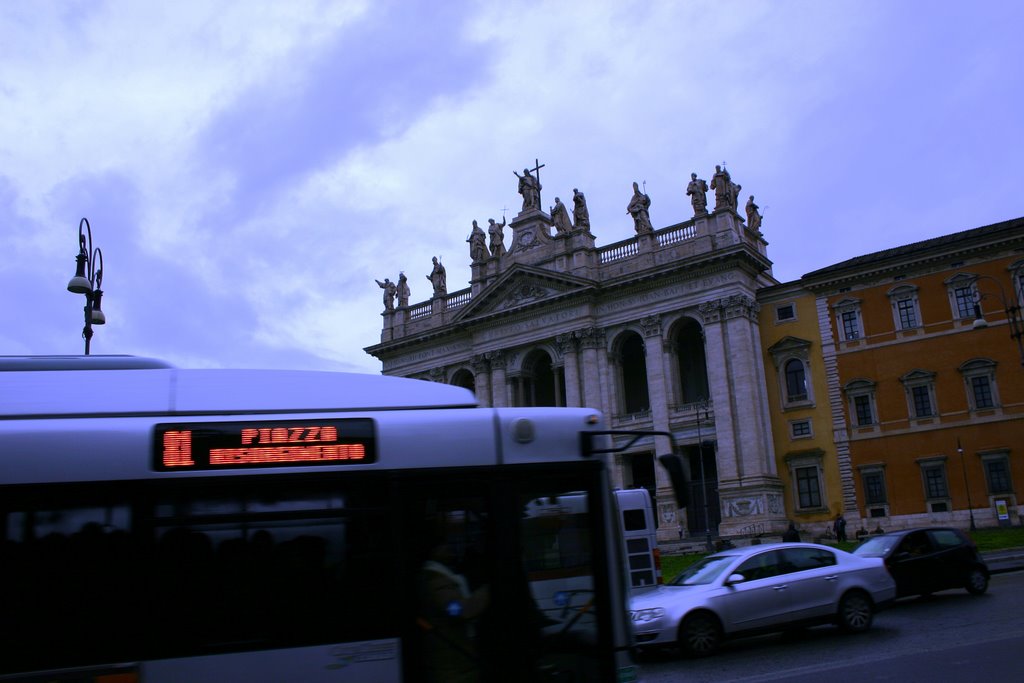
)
(161, 524)
(555, 525)
(639, 533)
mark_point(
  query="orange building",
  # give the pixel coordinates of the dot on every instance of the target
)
(921, 346)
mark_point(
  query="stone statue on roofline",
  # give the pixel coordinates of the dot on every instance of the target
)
(390, 289)
(638, 209)
(697, 191)
(497, 237)
(477, 244)
(529, 187)
(580, 213)
(403, 290)
(753, 217)
(438, 279)
(720, 183)
(560, 217)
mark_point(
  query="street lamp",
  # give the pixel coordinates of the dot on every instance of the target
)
(702, 404)
(1012, 309)
(967, 488)
(88, 279)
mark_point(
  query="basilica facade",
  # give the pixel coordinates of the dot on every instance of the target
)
(659, 332)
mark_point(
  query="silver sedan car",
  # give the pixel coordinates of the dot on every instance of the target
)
(761, 588)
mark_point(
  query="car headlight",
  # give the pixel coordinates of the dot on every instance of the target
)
(642, 615)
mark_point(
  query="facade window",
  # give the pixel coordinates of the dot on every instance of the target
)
(808, 489)
(805, 469)
(874, 487)
(848, 319)
(792, 357)
(1018, 281)
(997, 472)
(922, 401)
(862, 408)
(920, 388)
(861, 396)
(981, 392)
(936, 488)
(800, 429)
(980, 382)
(785, 312)
(851, 330)
(796, 381)
(906, 310)
(962, 295)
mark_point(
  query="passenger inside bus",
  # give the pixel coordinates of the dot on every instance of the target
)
(448, 614)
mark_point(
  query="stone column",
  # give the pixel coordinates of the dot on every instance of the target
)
(566, 344)
(591, 340)
(499, 390)
(482, 380)
(654, 347)
(749, 488)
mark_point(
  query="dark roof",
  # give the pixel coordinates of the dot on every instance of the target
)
(944, 241)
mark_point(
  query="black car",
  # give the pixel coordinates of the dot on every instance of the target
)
(927, 560)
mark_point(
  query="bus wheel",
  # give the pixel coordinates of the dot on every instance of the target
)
(700, 634)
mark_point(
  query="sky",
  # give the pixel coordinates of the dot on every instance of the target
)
(249, 169)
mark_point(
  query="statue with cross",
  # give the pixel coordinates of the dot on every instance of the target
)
(529, 186)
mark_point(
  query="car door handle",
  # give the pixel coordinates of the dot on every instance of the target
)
(780, 588)
(833, 577)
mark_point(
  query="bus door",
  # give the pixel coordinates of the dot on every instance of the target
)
(498, 596)
(636, 519)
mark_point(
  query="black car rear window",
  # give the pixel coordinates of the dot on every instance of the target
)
(946, 538)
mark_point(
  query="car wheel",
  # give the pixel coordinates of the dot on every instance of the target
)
(855, 612)
(700, 634)
(977, 581)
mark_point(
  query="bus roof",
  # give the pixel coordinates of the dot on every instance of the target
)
(49, 386)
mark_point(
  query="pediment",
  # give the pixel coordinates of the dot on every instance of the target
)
(789, 344)
(519, 287)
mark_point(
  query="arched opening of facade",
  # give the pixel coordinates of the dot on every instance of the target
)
(632, 361)
(540, 382)
(690, 359)
(464, 378)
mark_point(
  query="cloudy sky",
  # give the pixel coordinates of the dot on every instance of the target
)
(250, 168)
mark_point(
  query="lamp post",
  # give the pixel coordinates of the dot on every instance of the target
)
(1011, 308)
(967, 488)
(702, 404)
(88, 280)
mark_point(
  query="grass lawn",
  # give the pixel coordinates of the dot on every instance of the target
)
(995, 538)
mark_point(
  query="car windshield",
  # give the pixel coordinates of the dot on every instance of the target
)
(876, 547)
(704, 572)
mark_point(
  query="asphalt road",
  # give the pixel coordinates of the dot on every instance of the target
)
(951, 636)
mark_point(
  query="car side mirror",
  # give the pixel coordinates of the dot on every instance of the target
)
(734, 579)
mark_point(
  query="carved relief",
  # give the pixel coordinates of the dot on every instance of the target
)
(590, 338)
(651, 326)
(437, 374)
(523, 293)
(744, 507)
(565, 343)
(479, 363)
(734, 306)
(497, 359)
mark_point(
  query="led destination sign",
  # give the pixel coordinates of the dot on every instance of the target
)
(226, 445)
